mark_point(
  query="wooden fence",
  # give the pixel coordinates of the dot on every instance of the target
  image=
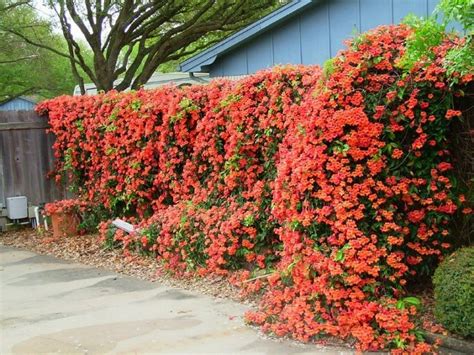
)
(26, 157)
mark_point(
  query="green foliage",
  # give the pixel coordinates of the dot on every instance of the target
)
(454, 292)
(91, 218)
(26, 69)
(151, 234)
(428, 33)
(460, 59)
(408, 301)
(328, 67)
(461, 11)
(109, 239)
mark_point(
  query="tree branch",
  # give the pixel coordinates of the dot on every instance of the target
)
(18, 59)
(37, 44)
(18, 94)
(141, 35)
(14, 5)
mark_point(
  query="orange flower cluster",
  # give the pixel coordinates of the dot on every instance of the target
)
(65, 206)
(340, 186)
(364, 197)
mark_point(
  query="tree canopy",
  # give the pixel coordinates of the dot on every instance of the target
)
(130, 39)
(26, 69)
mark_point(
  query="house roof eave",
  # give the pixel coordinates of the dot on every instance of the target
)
(198, 62)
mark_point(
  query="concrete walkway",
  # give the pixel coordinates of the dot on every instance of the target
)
(53, 306)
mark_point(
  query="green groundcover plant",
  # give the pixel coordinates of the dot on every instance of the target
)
(454, 292)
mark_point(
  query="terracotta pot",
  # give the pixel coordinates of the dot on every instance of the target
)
(64, 224)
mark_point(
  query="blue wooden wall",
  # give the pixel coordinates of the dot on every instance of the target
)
(315, 35)
(18, 104)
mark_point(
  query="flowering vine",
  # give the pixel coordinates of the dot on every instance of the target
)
(338, 184)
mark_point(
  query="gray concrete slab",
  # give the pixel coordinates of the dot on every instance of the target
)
(52, 306)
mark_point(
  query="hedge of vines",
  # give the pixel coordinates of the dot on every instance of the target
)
(339, 185)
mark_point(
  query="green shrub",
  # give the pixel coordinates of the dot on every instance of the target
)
(109, 241)
(454, 292)
(91, 216)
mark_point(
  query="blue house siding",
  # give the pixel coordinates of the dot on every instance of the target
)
(287, 43)
(381, 7)
(315, 42)
(260, 53)
(404, 7)
(344, 20)
(311, 33)
(18, 104)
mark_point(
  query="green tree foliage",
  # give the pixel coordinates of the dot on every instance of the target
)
(460, 59)
(429, 33)
(27, 69)
(130, 39)
(461, 11)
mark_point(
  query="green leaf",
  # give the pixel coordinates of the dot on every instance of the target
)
(412, 301)
(339, 255)
(400, 304)
(248, 220)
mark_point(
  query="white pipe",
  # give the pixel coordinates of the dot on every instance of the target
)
(125, 226)
(37, 218)
(45, 222)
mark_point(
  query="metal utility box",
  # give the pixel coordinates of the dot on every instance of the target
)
(17, 207)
